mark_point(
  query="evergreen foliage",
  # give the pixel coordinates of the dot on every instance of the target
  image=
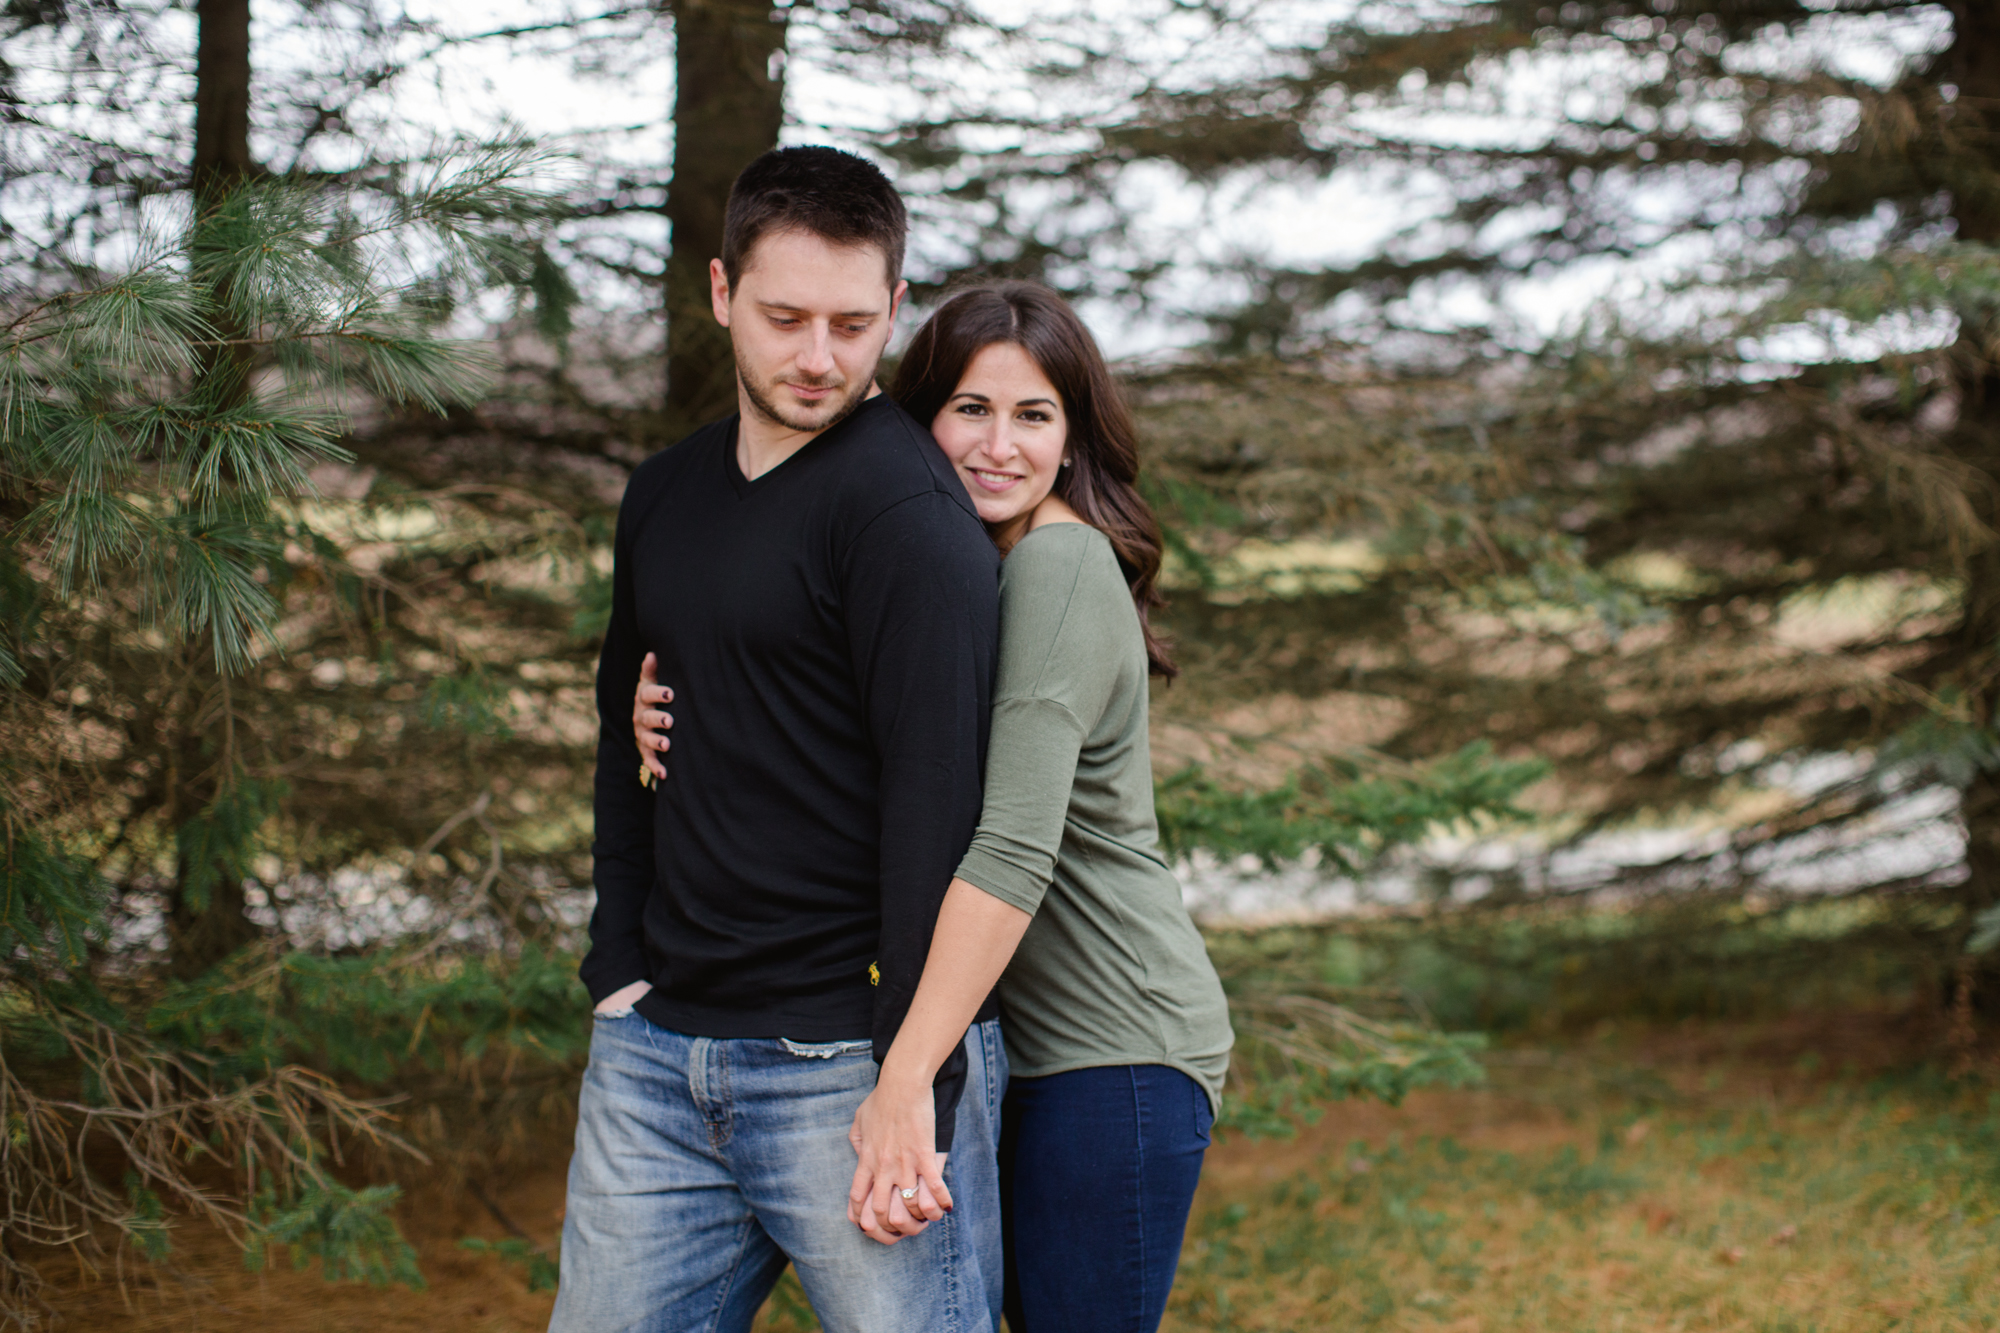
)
(1350, 818)
(1628, 546)
(541, 1271)
(156, 511)
(1739, 513)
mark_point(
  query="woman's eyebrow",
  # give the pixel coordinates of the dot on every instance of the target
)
(982, 398)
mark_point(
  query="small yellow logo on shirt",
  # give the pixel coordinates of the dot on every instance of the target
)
(874, 975)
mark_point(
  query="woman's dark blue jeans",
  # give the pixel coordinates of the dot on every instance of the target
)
(1097, 1171)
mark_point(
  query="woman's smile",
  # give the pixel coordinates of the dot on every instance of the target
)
(995, 481)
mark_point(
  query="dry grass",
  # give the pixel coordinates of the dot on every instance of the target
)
(207, 1289)
(1773, 1178)
(1712, 1179)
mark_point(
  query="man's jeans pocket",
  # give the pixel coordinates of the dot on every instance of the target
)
(826, 1050)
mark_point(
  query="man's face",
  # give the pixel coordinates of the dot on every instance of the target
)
(808, 320)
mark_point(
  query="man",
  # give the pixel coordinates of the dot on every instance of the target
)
(820, 595)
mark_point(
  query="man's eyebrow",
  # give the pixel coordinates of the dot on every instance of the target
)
(789, 308)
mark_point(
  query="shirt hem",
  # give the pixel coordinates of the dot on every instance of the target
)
(1210, 1082)
(696, 1020)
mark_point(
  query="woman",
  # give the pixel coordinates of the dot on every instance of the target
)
(1116, 1028)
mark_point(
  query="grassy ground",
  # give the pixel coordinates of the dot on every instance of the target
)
(1752, 1179)
(1771, 1177)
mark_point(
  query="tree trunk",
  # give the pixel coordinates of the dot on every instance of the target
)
(1973, 66)
(199, 939)
(200, 935)
(729, 104)
(221, 99)
(222, 160)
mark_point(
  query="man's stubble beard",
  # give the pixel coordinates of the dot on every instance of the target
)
(767, 407)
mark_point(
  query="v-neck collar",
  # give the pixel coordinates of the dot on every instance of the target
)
(745, 487)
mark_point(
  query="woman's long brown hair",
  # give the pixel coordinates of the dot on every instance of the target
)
(1103, 443)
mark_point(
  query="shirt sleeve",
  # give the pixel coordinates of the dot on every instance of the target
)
(922, 602)
(622, 865)
(1058, 671)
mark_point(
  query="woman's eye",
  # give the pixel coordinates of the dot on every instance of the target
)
(1035, 416)
(972, 409)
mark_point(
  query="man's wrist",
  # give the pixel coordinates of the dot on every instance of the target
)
(623, 998)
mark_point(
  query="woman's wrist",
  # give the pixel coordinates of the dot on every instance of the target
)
(904, 1077)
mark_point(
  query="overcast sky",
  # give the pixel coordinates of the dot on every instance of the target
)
(606, 91)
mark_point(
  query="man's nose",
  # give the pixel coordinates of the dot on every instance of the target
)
(817, 358)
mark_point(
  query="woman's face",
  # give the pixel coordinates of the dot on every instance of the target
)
(1003, 428)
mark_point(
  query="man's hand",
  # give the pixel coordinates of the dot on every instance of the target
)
(895, 1138)
(623, 998)
(901, 1217)
(649, 724)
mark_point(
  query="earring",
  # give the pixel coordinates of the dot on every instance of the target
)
(1065, 462)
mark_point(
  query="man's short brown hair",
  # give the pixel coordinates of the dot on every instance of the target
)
(836, 196)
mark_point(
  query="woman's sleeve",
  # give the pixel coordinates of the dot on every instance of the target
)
(1059, 659)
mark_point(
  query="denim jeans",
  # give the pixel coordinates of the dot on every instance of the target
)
(1098, 1167)
(703, 1164)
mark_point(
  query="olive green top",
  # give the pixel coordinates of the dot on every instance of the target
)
(1111, 971)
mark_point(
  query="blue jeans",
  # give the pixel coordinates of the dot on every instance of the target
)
(702, 1165)
(1097, 1170)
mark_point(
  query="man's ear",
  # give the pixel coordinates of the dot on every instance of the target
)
(896, 299)
(718, 291)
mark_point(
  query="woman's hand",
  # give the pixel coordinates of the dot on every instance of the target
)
(895, 1137)
(902, 1224)
(649, 724)
(895, 1129)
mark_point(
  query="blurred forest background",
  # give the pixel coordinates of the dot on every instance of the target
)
(1577, 427)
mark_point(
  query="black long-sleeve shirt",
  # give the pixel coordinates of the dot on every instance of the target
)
(829, 630)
